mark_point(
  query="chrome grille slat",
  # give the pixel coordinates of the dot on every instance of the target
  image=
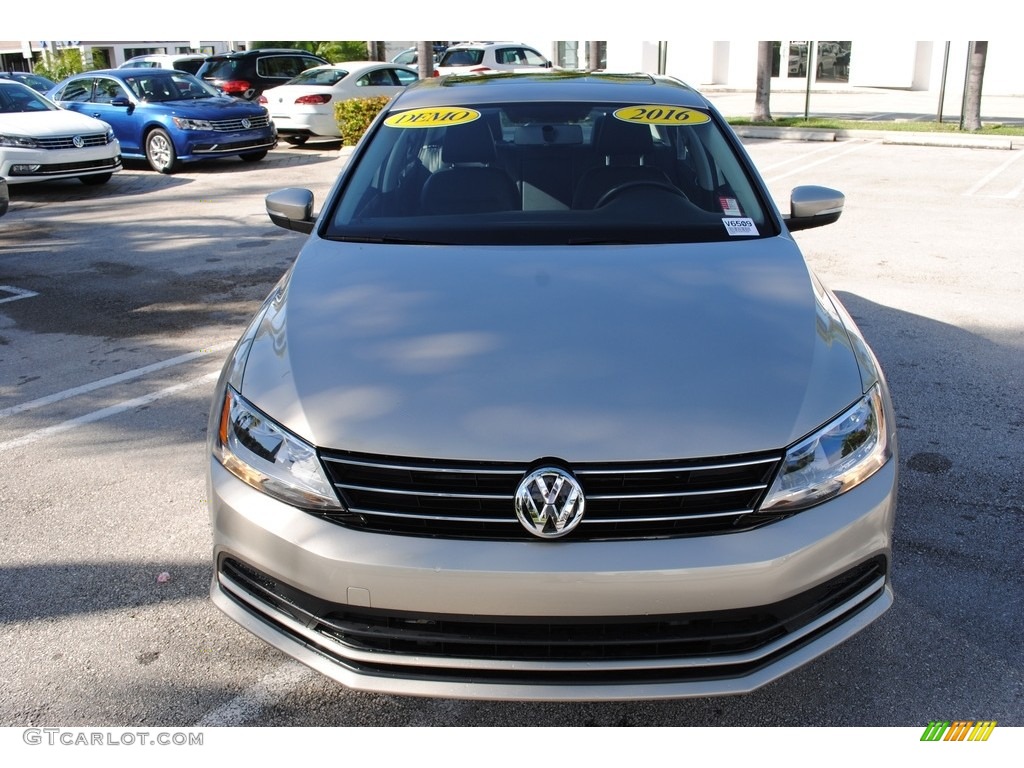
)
(260, 121)
(465, 499)
(68, 142)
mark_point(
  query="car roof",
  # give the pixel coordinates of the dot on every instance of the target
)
(455, 90)
(129, 72)
(354, 65)
(262, 51)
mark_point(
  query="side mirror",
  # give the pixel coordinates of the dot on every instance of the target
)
(292, 209)
(120, 101)
(813, 207)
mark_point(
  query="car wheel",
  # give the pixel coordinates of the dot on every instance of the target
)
(99, 178)
(252, 157)
(296, 141)
(160, 151)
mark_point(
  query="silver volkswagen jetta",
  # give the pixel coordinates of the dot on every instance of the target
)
(551, 407)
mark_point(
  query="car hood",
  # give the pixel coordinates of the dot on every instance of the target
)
(587, 353)
(213, 108)
(50, 123)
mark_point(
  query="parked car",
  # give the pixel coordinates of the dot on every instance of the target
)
(36, 82)
(169, 117)
(246, 74)
(409, 57)
(304, 107)
(41, 142)
(183, 62)
(466, 58)
(550, 406)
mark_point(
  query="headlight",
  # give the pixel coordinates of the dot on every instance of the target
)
(189, 124)
(111, 138)
(838, 457)
(6, 140)
(265, 455)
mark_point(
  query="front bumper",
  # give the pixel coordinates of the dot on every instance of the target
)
(25, 165)
(569, 621)
(200, 144)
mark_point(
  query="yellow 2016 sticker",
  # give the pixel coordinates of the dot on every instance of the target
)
(661, 114)
(432, 117)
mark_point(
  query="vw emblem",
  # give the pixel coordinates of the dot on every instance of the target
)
(78, 141)
(246, 123)
(549, 502)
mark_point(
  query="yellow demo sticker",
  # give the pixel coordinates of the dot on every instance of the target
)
(660, 114)
(432, 117)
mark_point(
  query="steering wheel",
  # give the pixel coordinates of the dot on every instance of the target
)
(614, 192)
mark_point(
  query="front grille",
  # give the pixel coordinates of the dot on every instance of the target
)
(259, 121)
(68, 142)
(685, 645)
(459, 499)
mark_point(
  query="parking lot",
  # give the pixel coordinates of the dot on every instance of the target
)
(119, 303)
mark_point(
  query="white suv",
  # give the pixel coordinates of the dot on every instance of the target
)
(467, 58)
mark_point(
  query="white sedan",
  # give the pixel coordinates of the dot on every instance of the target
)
(39, 141)
(304, 107)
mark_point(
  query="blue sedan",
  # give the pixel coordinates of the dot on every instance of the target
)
(169, 117)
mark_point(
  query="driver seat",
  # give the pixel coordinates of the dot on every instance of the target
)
(623, 147)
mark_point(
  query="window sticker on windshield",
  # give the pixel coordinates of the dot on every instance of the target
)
(432, 117)
(729, 206)
(740, 227)
(655, 114)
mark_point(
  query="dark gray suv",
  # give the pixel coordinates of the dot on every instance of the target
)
(246, 74)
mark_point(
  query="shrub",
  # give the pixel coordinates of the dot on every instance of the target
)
(355, 115)
(59, 64)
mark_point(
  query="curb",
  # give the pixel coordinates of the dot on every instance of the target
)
(886, 137)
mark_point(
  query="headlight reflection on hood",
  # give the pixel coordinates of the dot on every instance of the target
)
(838, 457)
(265, 455)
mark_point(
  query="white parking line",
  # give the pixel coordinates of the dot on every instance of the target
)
(19, 293)
(248, 705)
(103, 413)
(111, 380)
(796, 158)
(992, 174)
(855, 148)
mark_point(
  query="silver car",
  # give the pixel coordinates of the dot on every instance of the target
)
(550, 406)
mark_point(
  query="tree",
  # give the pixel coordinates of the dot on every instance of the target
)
(763, 87)
(425, 59)
(977, 52)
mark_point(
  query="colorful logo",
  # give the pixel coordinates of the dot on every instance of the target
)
(959, 730)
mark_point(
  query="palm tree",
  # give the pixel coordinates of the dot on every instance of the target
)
(977, 52)
(763, 88)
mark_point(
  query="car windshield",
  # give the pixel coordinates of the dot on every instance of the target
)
(462, 57)
(165, 85)
(219, 69)
(15, 97)
(327, 76)
(549, 173)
